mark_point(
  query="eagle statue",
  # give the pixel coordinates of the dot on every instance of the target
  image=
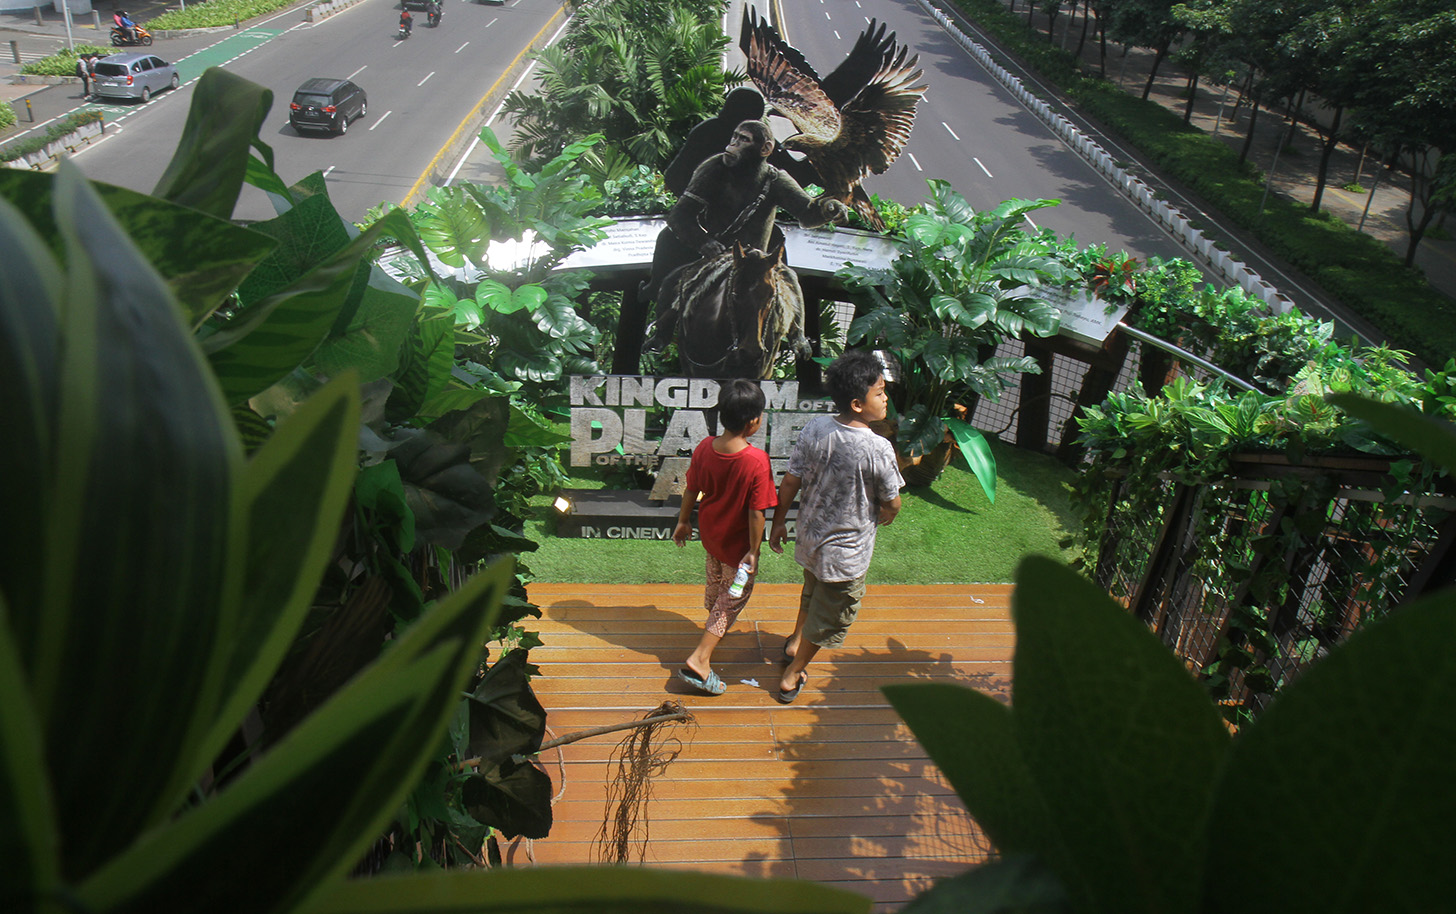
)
(854, 121)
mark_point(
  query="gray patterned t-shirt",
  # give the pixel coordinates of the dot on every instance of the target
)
(846, 473)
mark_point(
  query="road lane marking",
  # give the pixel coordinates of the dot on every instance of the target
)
(983, 167)
(1034, 226)
(836, 35)
(329, 169)
(950, 131)
(425, 80)
(492, 22)
(381, 118)
(914, 161)
(357, 72)
(462, 47)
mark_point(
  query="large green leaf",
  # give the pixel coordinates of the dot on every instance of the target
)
(1361, 745)
(573, 890)
(971, 737)
(336, 779)
(1007, 885)
(207, 169)
(452, 224)
(381, 323)
(294, 491)
(1122, 743)
(505, 717)
(1433, 438)
(977, 451)
(275, 335)
(203, 258)
(426, 361)
(448, 496)
(30, 352)
(307, 234)
(513, 796)
(136, 531)
(28, 835)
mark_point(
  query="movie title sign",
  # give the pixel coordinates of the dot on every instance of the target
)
(655, 423)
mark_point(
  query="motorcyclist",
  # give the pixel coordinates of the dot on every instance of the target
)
(432, 10)
(125, 23)
(406, 21)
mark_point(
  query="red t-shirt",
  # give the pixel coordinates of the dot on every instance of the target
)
(732, 485)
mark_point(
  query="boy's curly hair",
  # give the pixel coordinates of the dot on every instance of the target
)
(851, 376)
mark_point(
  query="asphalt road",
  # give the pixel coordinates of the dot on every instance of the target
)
(969, 130)
(419, 90)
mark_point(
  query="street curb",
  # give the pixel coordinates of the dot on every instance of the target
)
(1169, 218)
(48, 158)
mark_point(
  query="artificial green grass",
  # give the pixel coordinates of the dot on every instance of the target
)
(945, 534)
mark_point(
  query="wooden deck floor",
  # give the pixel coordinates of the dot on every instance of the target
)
(832, 788)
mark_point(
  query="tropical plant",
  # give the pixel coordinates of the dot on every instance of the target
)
(513, 313)
(168, 570)
(641, 74)
(1114, 786)
(963, 282)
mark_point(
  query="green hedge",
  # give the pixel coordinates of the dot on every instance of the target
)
(1362, 273)
(63, 63)
(67, 124)
(7, 115)
(215, 13)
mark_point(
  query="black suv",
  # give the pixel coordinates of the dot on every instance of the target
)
(327, 104)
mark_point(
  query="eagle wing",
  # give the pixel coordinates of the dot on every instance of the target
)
(789, 85)
(877, 121)
(871, 51)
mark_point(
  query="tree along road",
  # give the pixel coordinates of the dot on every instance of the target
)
(419, 90)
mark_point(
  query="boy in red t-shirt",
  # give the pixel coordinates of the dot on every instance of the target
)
(736, 485)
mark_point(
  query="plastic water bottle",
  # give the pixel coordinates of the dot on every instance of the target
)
(740, 581)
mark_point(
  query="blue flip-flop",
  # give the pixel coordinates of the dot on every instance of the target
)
(709, 685)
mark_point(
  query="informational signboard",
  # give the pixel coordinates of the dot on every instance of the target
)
(1084, 317)
(654, 423)
(811, 252)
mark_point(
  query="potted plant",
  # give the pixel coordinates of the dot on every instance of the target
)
(964, 282)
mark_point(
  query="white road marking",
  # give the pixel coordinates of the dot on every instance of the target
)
(357, 72)
(425, 80)
(950, 131)
(462, 47)
(1034, 226)
(983, 167)
(329, 169)
(914, 161)
(381, 119)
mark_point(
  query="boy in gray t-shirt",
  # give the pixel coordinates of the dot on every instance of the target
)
(848, 483)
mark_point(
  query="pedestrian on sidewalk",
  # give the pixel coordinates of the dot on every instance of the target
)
(736, 484)
(848, 484)
(83, 70)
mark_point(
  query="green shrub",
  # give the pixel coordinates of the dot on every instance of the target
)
(60, 128)
(215, 13)
(7, 115)
(63, 62)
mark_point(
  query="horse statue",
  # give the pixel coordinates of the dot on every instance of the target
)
(737, 310)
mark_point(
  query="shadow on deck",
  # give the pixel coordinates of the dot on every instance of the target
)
(832, 788)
